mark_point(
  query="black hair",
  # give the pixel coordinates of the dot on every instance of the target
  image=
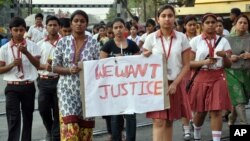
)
(220, 21)
(64, 22)
(150, 22)
(79, 12)
(236, 11)
(118, 20)
(128, 25)
(136, 18)
(189, 18)
(109, 25)
(52, 18)
(135, 26)
(244, 16)
(164, 7)
(101, 26)
(204, 18)
(102, 23)
(39, 15)
(16, 22)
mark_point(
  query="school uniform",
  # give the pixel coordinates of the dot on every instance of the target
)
(36, 33)
(136, 39)
(209, 90)
(47, 98)
(20, 89)
(174, 46)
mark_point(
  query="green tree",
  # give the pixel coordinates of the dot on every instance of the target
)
(112, 14)
(4, 3)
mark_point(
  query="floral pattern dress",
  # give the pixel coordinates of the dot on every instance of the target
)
(68, 88)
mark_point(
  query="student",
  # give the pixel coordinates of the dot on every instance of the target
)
(19, 60)
(65, 28)
(190, 28)
(69, 51)
(37, 32)
(209, 92)
(120, 46)
(133, 34)
(150, 27)
(47, 81)
(174, 47)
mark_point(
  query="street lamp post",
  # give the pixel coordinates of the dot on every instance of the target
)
(118, 8)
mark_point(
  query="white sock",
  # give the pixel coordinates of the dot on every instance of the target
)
(216, 135)
(197, 132)
(186, 129)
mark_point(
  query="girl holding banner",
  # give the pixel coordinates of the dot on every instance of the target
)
(238, 76)
(175, 47)
(69, 51)
(121, 46)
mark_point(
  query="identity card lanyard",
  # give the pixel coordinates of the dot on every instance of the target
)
(211, 47)
(169, 48)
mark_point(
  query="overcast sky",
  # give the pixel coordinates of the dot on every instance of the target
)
(101, 12)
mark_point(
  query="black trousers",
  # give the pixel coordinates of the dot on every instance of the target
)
(20, 98)
(48, 106)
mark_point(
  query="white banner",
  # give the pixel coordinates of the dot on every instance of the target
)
(124, 85)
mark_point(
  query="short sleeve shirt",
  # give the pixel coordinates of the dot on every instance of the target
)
(200, 48)
(179, 45)
(7, 57)
(69, 85)
(113, 51)
(36, 33)
(47, 50)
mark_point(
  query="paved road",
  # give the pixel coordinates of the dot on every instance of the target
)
(144, 130)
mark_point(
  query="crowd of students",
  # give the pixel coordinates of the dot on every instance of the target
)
(214, 63)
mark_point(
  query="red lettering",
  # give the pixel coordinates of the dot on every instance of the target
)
(148, 87)
(141, 70)
(98, 73)
(133, 87)
(142, 87)
(124, 89)
(158, 86)
(105, 91)
(154, 68)
(104, 72)
(138, 69)
(123, 73)
(112, 92)
(107, 71)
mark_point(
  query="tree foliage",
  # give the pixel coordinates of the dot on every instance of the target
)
(136, 7)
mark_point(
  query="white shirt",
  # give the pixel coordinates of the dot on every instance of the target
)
(201, 49)
(143, 37)
(136, 39)
(36, 33)
(225, 32)
(29, 71)
(47, 50)
(179, 45)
